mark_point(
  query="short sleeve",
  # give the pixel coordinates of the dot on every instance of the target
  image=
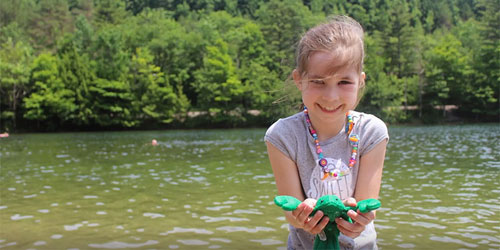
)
(372, 132)
(281, 136)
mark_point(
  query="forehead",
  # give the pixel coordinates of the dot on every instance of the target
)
(324, 64)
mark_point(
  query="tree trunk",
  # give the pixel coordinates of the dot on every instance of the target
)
(14, 106)
(420, 90)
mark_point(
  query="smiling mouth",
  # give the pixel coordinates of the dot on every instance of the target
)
(329, 109)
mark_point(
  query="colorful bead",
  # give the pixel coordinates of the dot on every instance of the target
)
(323, 162)
(352, 138)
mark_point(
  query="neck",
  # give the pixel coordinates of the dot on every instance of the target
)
(327, 130)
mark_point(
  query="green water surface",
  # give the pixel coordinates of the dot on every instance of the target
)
(214, 189)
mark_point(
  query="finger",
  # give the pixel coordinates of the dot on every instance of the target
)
(304, 215)
(310, 202)
(313, 221)
(319, 227)
(348, 231)
(369, 215)
(350, 202)
(350, 227)
(362, 219)
(298, 210)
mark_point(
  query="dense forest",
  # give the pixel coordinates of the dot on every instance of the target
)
(115, 64)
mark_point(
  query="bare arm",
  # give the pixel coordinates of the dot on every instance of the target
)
(285, 172)
(288, 183)
(367, 186)
(370, 173)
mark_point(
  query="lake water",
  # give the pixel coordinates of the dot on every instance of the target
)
(214, 189)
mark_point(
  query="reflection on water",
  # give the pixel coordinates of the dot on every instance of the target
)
(215, 189)
(440, 184)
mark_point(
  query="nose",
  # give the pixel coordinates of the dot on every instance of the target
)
(331, 93)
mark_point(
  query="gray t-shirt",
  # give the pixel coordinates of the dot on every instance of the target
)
(291, 136)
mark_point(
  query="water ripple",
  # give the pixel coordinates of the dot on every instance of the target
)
(193, 242)
(186, 230)
(267, 242)
(153, 215)
(20, 217)
(217, 219)
(230, 229)
(453, 240)
(121, 245)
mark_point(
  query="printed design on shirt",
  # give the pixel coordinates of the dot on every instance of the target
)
(338, 185)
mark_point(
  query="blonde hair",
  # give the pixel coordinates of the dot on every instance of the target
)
(342, 36)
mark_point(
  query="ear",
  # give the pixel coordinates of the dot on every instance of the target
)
(362, 79)
(297, 79)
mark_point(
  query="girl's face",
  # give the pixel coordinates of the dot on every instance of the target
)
(329, 88)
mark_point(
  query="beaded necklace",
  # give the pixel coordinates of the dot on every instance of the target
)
(323, 162)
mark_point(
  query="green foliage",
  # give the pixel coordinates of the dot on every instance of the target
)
(485, 93)
(217, 84)
(83, 35)
(109, 12)
(49, 23)
(49, 100)
(283, 23)
(111, 103)
(15, 60)
(154, 99)
(447, 72)
(17, 13)
(147, 63)
(77, 72)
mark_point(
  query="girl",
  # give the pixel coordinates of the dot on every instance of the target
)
(329, 148)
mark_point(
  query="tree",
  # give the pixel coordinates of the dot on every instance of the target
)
(217, 84)
(49, 99)
(110, 55)
(283, 23)
(109, 12)
(177, 60)
(77, 74)
(399, 41)
(383, 95)
(111, 102)
(83, 35)
(15, 60)
(49, 23)
(154, 98)
(109, 92)
(485, 97)
(448, 73)
(17, 11)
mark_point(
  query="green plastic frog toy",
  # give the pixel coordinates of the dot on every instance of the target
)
(332, 207)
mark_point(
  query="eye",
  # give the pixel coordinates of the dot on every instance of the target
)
(316, 81)
(344, 82)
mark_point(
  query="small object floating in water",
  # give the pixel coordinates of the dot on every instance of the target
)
(154, 142)
(4, 135)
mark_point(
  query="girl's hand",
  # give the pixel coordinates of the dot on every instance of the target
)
(360, 220)
(300, 217)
